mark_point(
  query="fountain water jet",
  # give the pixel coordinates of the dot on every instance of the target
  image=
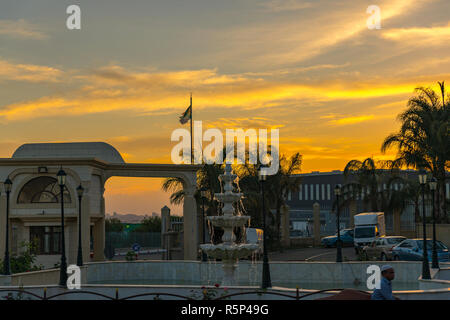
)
(228, 251)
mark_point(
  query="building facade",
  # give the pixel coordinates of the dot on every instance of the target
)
(35, 198)
(318, 187)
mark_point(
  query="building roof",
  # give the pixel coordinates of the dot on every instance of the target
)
(99, 150)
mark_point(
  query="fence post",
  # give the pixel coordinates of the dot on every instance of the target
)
(165, 225)
(316, 219)
(45, 294)
(117, 293)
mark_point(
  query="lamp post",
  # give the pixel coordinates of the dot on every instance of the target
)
(266, 282)
(80, 191)
(434, 257)
(425, 265)
(63, 267)
(337, 193)
(203, 195)
(6, 262)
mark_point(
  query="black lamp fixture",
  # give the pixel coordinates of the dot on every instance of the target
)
(80, 191)
(337, 193)
(61, 175)
(266, 281)
(6, 261)
(425, 266)
(434, 257)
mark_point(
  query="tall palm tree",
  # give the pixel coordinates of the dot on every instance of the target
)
(373, 183)
(423, 139)
(364, 178)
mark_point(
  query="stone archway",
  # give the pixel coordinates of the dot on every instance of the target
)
(188, 173)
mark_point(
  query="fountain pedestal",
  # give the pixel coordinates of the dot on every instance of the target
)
(228, 251)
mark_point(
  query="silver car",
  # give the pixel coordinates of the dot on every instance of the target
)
(381, 248)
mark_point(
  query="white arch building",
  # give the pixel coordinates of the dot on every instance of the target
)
(35, 197)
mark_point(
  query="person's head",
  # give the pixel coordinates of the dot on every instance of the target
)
(388, 272)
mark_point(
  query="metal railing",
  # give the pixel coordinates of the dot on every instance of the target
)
(157, 295)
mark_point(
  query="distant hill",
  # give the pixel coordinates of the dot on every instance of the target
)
(129, 217)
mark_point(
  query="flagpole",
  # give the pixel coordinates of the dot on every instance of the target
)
(192, 146)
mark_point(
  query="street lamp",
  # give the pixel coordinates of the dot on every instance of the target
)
(80, 191)
(266, 282)
(425, 265)
(434, 257)
(61, 175)
(203, 195)
(6, 262)
(337, 193)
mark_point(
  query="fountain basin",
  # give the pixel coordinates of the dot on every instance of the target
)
(229, 252)
(227, 221)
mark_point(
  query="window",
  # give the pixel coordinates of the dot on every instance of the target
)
(317, 192)
(42, 190)
(48, 239)
(289, 195)
(328, 192)
(323, 192)
(394, 240)
(312, 191)
(300, 195)
(406, 244)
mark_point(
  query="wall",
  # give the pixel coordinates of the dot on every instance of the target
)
(247, 273)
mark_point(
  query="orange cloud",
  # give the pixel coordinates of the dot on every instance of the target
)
(28, 72)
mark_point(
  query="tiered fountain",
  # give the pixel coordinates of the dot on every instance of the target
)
(228, 251)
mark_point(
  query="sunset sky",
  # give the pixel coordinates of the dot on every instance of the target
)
(310, 68)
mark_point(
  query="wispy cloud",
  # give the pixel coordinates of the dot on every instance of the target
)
(438, 35)
(21, 29)
(28, 72)
(117, 89)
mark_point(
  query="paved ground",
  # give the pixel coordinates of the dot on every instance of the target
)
(301, 254)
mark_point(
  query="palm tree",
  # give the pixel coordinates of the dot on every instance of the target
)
(373, 182)
(364, 179)
(277, 188)
(423, 140)
(283, 183)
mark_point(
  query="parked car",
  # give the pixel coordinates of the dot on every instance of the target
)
(346, 238)
(381, 248)
(412, 250)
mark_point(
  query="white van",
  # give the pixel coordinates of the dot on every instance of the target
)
(368, 227)
(255, 236)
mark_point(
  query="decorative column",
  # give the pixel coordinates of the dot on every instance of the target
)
(316, 218)
(285, 226)
(86, 223)
(397, 222)
(2, 225)
(165, 226)
(99, 239)
(190, 227)
(352, 207)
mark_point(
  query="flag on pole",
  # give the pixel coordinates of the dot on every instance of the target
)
(187, 115)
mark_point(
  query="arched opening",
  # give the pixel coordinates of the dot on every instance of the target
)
(42, 189)
(137, 202)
